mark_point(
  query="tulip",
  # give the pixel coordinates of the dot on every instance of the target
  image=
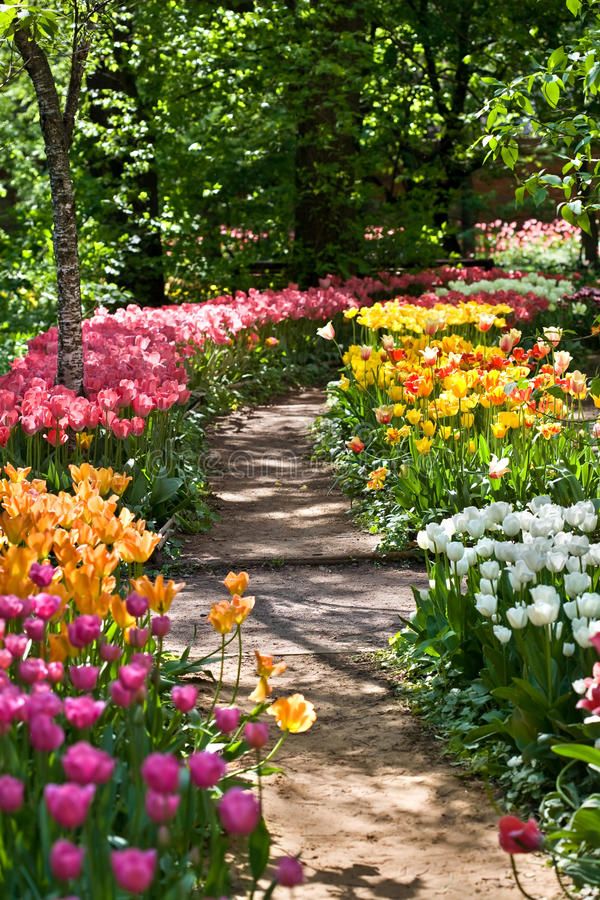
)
(161, 625)
(11, 794)
(68, 804)
(45, 605)
(133, 869)
(516, 836)
(327, 332)
(138, 637)
(66, 860)
(84, 678)
(133, 676)
(83, 712)
(161, 807)
(34, 629)
(33, 670)
(256, 734)
(289, 872)
(44, 734)
(41, 574)
(16, 644)
(56, 672)
(184, 697)
(160, 771)
(206, 768)
(84, 630)
(227, 718)
(84, 764)
(120, 695)
(239, 811)
(110, 652)
(137, 605)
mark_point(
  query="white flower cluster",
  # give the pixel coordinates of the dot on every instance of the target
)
(544, 551)
(533, 283)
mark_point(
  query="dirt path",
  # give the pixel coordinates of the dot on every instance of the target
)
(366, 796)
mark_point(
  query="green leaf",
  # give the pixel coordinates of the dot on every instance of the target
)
(590, 755)
(259, 847)
(551, 91)
(510, 155)
(574, 6)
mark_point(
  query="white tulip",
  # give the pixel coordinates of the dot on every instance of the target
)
(490, 569)
(538, 502)
(517, 616)
(544, 593)
(484, 548)
(476, 528)
(511, 525)
(576, 583)
(486, 586)
(568, 649)
(589, 605)
(542, 613)
(579, 544)
(503, 634)
(581, 632)
(423, 541)
(594, 554)
(462, 566)
(454, 551)
(571, 610)
(579, 686)
(556, 560)
(486, 604)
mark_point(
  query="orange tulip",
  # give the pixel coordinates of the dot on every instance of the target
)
(293, 714)
(237, 584)
(159, 594)
(120, 614)
(222, 617)
(136, 548)
(265, 669)
(242, 607)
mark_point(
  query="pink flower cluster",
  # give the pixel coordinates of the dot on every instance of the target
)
(501, 236)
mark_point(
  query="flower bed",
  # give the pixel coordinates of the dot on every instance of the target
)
(114, 777)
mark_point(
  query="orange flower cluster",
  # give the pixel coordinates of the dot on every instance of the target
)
(86, 537)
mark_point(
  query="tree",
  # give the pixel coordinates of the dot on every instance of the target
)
(33, 31)
(556, 104)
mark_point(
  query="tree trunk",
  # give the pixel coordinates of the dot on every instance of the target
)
(64, 235)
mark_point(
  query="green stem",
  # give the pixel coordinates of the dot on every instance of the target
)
(563, 887)
(220, 682)
(516, 877)
(239, 666)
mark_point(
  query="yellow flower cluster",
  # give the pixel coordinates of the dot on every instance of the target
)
(396, 316)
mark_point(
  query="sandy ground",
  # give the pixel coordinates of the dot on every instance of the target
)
(366, 797)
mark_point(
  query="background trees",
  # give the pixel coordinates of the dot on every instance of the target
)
(216, 136)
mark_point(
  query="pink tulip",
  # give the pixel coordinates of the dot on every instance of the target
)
(85, 764)
(161, 807)
(289, 872)
(184, 697)
(239, 811)
(138, 637)
(145, 660)
(83, 712)
(84, 678)
(34, 629)
(11, 794)
(206, 768)
(66, 860)
(160, 771)
(56, 672)
(161, 625)
(45, 605)
(68, 804)
(84, 630)
(133, 869)
(42, 701)
(137, 605)
(11, 607)
(16, 644)
(44, 734)
(120, 695)
(133, 676)
(256, 734)
(227, 718)
(33, 669)
(110, 652)
(41, 574)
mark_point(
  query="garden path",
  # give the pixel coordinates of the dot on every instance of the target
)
(366, 796)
